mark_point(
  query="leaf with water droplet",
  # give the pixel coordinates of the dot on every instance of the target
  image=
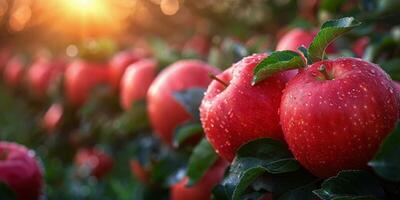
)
(254, 159)
(278, 61)
(330, 30)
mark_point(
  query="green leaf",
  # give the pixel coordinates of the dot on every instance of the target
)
(305, 53)
(133, 119)
(6, 193)
(220, 193)
(202, 158)
(353, 184)
(254, 159)
(280, 184)
(330, 30)
(186, 131)
(191, 99)
(392, 68)
(304, 192)
(278, 61)
(386, 162)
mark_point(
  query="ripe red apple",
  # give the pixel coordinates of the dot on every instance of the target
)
(238, 112)
(81, 77)
(139, 171)
(95, 161)
(42, 74)
(297, 37)
(118, 65)
(360, 45)
(165, 112)
(335, 114)
(14, 72)
(20, 170)
(202, 189)
(52, 118)
(136, 81)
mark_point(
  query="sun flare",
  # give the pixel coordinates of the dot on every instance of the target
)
(86, 18)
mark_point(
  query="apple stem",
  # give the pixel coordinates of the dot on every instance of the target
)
(212, 76)
(322, 69)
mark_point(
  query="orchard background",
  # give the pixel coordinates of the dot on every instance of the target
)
(74, 81)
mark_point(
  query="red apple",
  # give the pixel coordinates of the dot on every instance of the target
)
(335, 119)
(118, 65)
(297, 37)
(95, 161)
(42, 74)
(20, 170)
(165, 112)
(236, 113)
(360, 45)
(139, 171)
(52, 118)
(202, 189)
(81, 77)
(136, 81)
(14, 72)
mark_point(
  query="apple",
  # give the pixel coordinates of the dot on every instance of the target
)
(360, 45)
(42, 74)
(13, 72)
(81, 77)
(165, 112)
(202, 189)
(118, 65)
(139, 171)
(94, 162)
(136, 81)
(297, 37)
(233, 112)
(20, 171)
(52, 118)
(335, 114)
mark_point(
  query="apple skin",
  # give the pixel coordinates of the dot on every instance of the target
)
(52, 118)
(202, 189)
(360, 45)
(165, 112)
(81, 77)
(42, 74)
(118, 65)
(136, 81)
(20, 170)
(139, 171)
(13, 73)
(297, 37)
(241, 112)
(333, 125)
(98, 162)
